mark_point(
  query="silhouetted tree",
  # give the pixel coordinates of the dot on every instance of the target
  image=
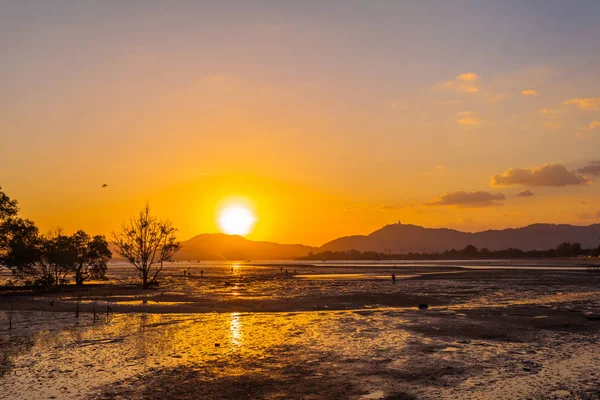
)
(145, 241)
(21, 246)
(88, 256)
(8, 207)
(55, 261)
(596, 252)
(470, 251)
(563, 250)
(568, 250)
(8, 213)
(41, 260)
(576, 249)
(47, 260)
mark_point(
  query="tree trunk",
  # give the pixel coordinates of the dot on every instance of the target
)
(79, 276)
(145, 277)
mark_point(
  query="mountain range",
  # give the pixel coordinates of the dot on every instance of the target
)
(394, 238)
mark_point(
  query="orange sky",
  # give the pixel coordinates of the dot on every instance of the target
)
(327, 120)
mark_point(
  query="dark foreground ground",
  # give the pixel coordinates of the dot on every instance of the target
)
(325, 333)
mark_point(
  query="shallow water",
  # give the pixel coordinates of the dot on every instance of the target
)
(493, 320)
(120, 269)
(203, 284)
(65, 350)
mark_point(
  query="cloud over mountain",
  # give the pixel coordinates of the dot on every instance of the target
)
(543, 175)
(464, 199)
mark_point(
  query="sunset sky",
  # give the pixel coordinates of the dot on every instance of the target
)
(325, 118)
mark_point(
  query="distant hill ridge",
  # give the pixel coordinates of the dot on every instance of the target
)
(394, 238)
(402, 238)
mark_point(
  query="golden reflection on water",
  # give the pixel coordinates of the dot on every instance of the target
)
(131, 344)
(235, 329)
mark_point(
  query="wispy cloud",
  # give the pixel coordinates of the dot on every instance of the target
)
(529, 92)
(586, 103)
(584, 132)
(462, 199)
(552, 117)
(468, 77)
(467, 118)
(468, 121)
(463, 83)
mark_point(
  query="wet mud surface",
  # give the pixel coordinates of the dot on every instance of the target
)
(491, 334)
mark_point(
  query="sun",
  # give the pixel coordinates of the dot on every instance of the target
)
(236, 220)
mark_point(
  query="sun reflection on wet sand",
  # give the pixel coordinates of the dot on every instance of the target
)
(370, 342)
(135, 343)
(235, 329)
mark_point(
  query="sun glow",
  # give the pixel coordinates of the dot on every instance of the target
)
(236, 220)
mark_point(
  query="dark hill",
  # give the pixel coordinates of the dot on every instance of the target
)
(399, 238)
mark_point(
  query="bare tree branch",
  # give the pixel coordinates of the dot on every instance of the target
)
(146, 241)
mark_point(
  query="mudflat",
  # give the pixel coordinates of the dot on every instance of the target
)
(323, 332)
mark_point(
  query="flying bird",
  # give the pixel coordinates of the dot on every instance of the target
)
(105, 185)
